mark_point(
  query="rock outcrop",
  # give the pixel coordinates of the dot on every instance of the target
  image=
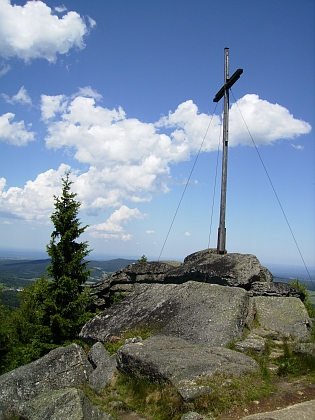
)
(201, 313)
(64, 404)
(192, 310)
(44, 389)
(235, 270)
(180, 363)
(285, 315)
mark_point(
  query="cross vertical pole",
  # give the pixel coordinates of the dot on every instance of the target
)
(222, 229)
(224, 91)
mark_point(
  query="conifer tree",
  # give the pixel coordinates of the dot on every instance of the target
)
(65, 306)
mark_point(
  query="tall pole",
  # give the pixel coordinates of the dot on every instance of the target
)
(224, 91)
(222, 229)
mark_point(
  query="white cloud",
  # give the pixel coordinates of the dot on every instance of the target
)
(14, 132)
(51, 105)
(61, 9)
(113, 228)
(21, 97)
(35, 201)
(33, 31)
(4, 69)
(297, 146)
(267, 122)
(88, 92)
(150, 232)
(129, 160)
(187, 234)
(6, 222)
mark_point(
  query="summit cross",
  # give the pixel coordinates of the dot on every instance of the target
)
(224, 91)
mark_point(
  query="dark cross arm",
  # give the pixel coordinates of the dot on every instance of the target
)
(230, 82)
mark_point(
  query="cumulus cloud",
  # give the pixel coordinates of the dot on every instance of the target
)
(21, 97)
(128, 161)
(267, 122)
(113, 228)
(150, 232)
(187, 234)
(14, 132)
(35, 201)
(34, 31)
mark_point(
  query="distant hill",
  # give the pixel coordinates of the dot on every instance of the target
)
(20, 273)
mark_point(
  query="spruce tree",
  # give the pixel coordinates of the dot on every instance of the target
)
(65, 306)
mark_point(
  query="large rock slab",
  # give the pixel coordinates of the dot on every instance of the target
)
(67, 404)
(176, 361)
(277, 289)
(286, 315)
(61, 368)
(198, 312)
(238, 270)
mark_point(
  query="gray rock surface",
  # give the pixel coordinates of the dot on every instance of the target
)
(192, 415)
(98, 355)
(65, 404)
(176, 361)
(301, 411)
(305, 348)
(239, 270)
(61, 368)
(191, 392)
(198, 312)
(105, 367)
(277, 289)
(256, 344)
(286, 315)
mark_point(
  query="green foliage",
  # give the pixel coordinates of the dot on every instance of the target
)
(307, 302)
(67, 255)
(143, 260)
(65, 304)
(52, 312)
(116, 298)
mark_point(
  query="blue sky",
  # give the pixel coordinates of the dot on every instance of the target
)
(121, 92)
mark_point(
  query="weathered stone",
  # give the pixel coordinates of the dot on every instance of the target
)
(98, 355)
(301, 411)
(286, 315)
(61, 368)
(192, 415)
(105, 367)
(239, 270)
(255, 344)
(70, 404)
(305, 348)
(191, 392)
(176, 361)
(198, 312)
(277, 289)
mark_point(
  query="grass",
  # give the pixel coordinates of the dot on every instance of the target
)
(294, 365)
(232, 392)
(156, 401)
(112, 347)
